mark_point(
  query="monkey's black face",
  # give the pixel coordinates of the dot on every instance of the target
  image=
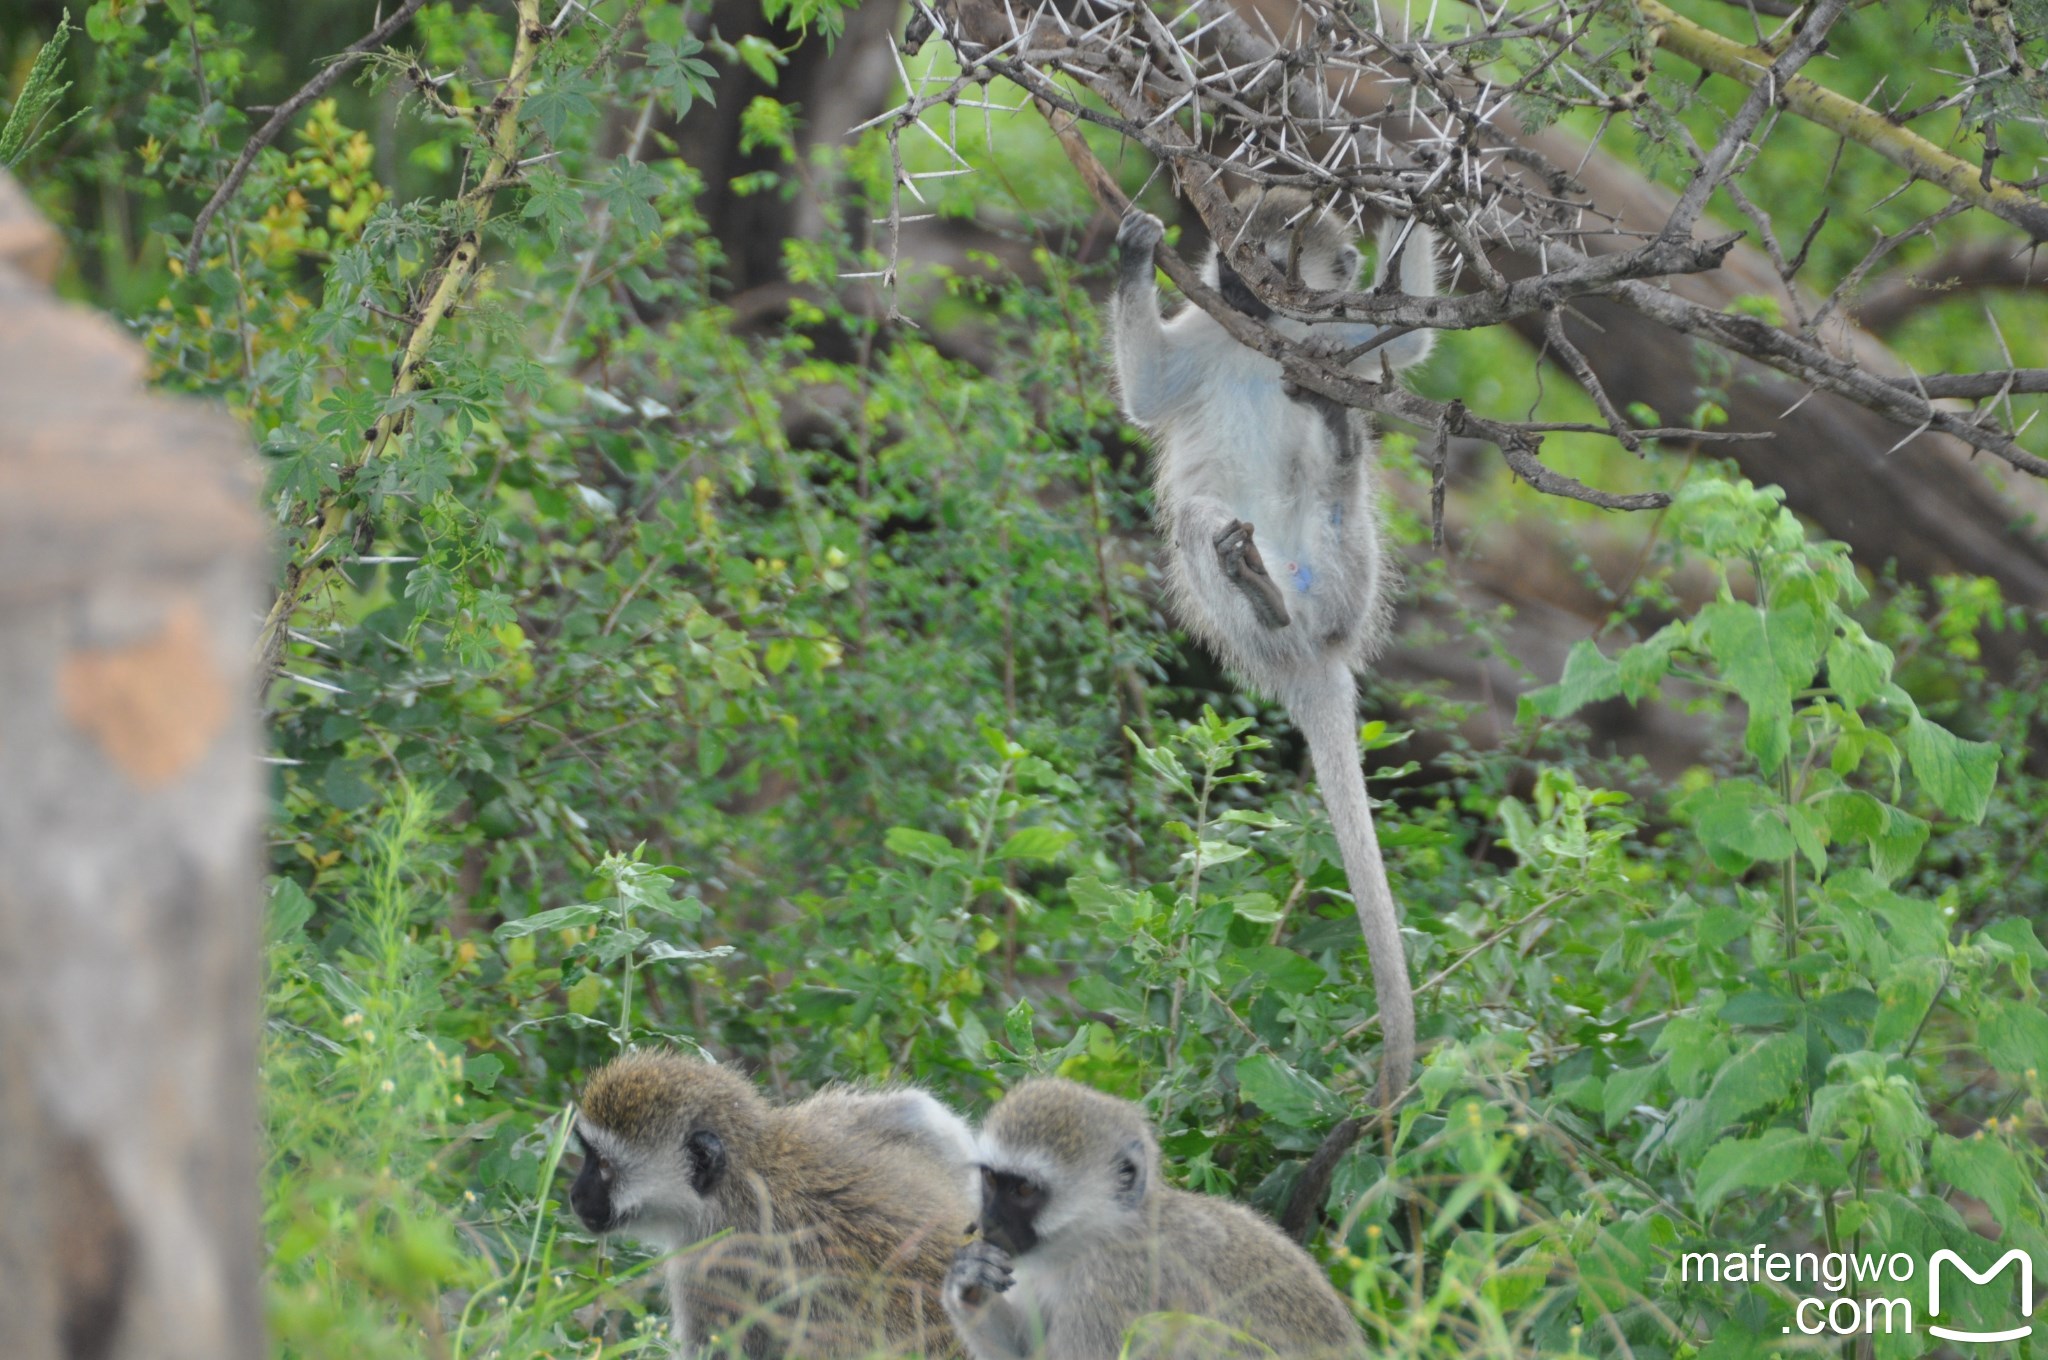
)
(1238, 294)
(1010, 1205)
(596, 1193)
(591, 1194)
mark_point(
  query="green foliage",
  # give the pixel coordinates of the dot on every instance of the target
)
(27, 124)
(795, 692)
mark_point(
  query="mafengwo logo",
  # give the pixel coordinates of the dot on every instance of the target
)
(2013, 1257)
(1853, 1279)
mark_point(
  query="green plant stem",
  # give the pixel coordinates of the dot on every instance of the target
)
(452, 274)
(1859, 123)
(1789, 886)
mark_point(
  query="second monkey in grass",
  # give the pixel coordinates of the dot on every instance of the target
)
(1086, 1254)
(1265, 496)
(839, 1215)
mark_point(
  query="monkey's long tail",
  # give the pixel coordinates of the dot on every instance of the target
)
(1327, 714)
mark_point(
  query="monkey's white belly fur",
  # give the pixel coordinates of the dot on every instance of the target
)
(1237, 446)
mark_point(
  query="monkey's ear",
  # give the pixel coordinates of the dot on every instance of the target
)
(707, 1160)
(1128, 1174)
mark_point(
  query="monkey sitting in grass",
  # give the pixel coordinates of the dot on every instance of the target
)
(834, 1220)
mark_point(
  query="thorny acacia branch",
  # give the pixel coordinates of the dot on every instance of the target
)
(1374, 117)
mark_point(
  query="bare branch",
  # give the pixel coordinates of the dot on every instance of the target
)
(282, 117)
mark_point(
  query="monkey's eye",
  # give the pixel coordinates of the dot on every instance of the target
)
(1025, 1191)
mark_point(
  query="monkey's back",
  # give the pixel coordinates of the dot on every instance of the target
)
(1271, 1289)
(841, 1234)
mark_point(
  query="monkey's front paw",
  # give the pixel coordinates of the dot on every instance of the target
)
(1241, 563)
(980, 1269)
(1137, 237)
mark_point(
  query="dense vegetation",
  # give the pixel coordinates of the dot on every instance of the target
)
(803, 693)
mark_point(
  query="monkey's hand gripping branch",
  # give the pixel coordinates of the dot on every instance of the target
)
(1304, 366)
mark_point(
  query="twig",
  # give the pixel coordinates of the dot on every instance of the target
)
(451, 274)
(278, 121)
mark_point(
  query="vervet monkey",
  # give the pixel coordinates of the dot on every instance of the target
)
(1082, 1244)
(841, 1213)
(1296, 611)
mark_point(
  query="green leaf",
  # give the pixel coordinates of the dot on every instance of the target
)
(1295, 1099)
(2014, 1036)
(555, 104)
(924, 847)
(1896, 847)
(1986, 1168)
(483, 1070)
(763, 58)
(1756, 1080)
(1958, 774)
(1643, 667)
(550, 197)
(1588, 678)
(561, 918)
(1626, 1088)
(290, 909)
(1858, 667)
(1258, 907)
(1740, 818)
(1903, 1001)
(1773, 1158)
(679, 74)
(1272, 968)
(1042, 843)
(1017, 1029)
(627, 192)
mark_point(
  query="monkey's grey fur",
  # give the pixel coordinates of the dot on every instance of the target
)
(1296, 610)
(840, 1214)
(1085, 1255)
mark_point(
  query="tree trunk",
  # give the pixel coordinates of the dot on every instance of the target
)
(130, 920)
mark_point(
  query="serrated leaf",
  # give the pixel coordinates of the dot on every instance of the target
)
(1896, 846)
(560, 918)
(1588, 678)
(1773, 1158)
(2014, 1036)
(1858, 667)
(1740, 817)
(1957, 774)
(1290, 1096)
(1762, 1077)
(1643, 667)
(1903, 1001)
(1624, 1089)
(1987, 1169)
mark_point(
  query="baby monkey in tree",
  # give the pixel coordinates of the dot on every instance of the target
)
(840, 1214)
(1085, 1255)
(1299, 608)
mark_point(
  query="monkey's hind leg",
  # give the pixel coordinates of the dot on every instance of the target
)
(1245, 569)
